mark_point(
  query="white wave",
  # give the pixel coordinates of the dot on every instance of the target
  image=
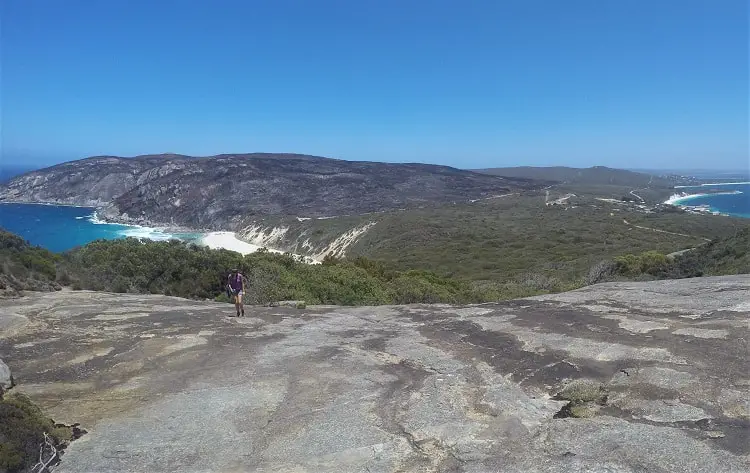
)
(146, 233)
(716, 184)
(80, 218)
(94, 218)
(681, 197)
(134, 231)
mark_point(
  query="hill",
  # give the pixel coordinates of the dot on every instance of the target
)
(214, 192)
(597, 175)
(515, 241)
(619, 377)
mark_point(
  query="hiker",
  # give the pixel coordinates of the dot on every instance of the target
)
(236, 289)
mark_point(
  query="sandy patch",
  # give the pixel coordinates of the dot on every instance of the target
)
(702, 333)
(83, 358)
(122, 316)
(185, 342)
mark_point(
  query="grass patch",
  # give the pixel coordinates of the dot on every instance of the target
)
(584, 398)
(582, 391)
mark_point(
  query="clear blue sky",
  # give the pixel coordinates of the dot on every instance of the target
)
(636, 83)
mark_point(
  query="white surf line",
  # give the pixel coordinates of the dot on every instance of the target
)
(663, 231)
(709, 184)
(136, 231)
(680, 199)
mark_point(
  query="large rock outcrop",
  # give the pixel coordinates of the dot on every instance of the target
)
(220, 191)
(656, 374)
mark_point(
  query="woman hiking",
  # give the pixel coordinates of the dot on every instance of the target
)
(236, 289)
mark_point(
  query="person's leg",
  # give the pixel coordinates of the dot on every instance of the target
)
(237, 301)
(242, 305)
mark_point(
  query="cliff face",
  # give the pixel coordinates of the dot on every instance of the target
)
(220, 191)
(621, 377)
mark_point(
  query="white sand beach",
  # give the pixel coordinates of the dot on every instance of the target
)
(681, 198)
(229, 241)
(675, 199)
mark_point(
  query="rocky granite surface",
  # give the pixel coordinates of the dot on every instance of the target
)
(217, 192)
(165, 384)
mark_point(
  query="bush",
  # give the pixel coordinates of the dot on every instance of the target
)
(650, 262)
(184, 270)
(22, 429)
(601, 272)
(26, 266)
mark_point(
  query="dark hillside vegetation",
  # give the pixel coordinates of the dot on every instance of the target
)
(215, 192)
(721, 256)
(518, 238)
(25, 267)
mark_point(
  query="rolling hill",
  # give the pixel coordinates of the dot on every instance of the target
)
(215, 192)
(597, 175)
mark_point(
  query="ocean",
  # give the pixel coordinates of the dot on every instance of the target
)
(60, 228)
(733, 198)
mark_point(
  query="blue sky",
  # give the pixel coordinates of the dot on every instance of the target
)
(638, 83)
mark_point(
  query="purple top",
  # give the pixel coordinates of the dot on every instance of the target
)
(235, 282)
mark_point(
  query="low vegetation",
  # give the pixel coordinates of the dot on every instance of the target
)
(24, 267)
(729, 255)
(22, 429)
(517, 241)
(584, 398)
(178, 269)
(509, 247)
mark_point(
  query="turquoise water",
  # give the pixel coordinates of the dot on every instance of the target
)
(737, 204)
(60, 228)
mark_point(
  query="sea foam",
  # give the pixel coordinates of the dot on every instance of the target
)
(681, 197)
(134, 231)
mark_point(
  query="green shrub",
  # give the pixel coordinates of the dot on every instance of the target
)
(649, 262)
(22, 429)
(28, 266)
(190, 271)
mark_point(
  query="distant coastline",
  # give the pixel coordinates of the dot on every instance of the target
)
(679, 199)
(710, 184)
(146, 230)
(53, 204)
(710, 198)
